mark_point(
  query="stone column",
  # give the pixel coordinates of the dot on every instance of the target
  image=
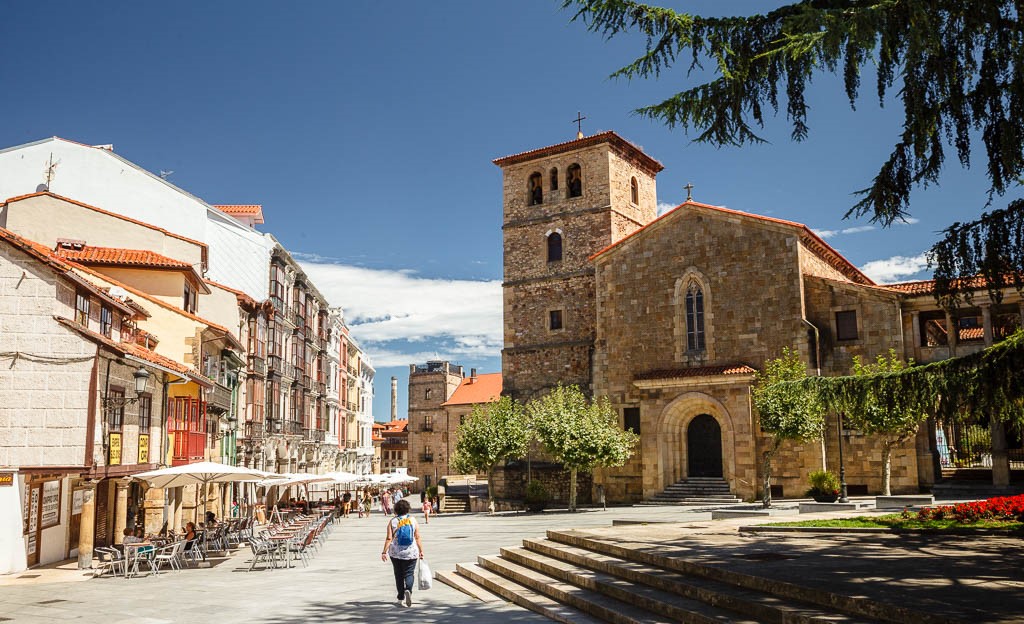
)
(153, 510)
(952, 333)
(178, 496)
(120, 510)
(1000, 458)
(986, 321)
(87, 529)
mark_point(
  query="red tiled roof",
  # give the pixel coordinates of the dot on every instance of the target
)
(396, 426)
(110, 214)
(927, 287)
(121, 257)
(242, 210)
(701, 371)
(808, 237)
(609, 136)
(485, 389)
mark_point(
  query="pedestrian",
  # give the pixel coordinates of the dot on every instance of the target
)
(425, 505)
(385, 501)
(403, 546)
(367, 503)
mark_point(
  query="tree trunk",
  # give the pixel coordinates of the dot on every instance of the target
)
(886, 466)
(572, 489)
(766, 471)
(490, 490)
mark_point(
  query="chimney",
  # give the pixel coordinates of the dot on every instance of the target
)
(472, 375)
(394, 398)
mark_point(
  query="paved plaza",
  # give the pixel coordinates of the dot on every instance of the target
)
(347, 582)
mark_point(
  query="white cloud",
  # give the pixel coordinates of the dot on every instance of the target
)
(857, 229)
(895, 268)
(445, 318)
(908, 221)
(664, 207)
(826, 233)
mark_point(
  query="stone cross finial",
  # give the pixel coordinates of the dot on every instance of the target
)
(579, 124)
(689, 191)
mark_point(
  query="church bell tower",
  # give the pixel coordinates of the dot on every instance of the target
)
(562, 204)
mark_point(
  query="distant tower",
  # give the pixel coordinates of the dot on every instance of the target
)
(394, 399)
(562, 204)
(430, 385)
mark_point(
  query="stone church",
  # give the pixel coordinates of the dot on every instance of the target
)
(671, 316)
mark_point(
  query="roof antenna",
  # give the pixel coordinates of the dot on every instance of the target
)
(165, 174)
(50, 172)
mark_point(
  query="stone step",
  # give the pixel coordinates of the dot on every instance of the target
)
(594, 604)
(519, 595)
(758, 605)
(669, 605)
(466, 586)
(858, 606)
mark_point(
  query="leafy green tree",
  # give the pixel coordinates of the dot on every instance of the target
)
(581, 434)
(955, 66)
(893, 416)
(786, 411)
(490, 435)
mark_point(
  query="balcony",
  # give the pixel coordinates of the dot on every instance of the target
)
(427, 457)
(219, 398)
(253, 430)
(321, 387)
(274, 425)
(292, 427)
(275, 364)
(189, 447)
(257, 366)
(313, 435)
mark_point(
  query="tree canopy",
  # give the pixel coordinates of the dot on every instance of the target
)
(491, 434)
(954, 65)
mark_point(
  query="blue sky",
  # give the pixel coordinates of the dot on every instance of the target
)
(367, 129)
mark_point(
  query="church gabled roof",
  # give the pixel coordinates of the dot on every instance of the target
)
(485, 388)
(814, 242)
(621, 145)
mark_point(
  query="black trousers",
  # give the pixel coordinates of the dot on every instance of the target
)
(405, 571)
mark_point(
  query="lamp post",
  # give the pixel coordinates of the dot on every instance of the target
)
(842, 466)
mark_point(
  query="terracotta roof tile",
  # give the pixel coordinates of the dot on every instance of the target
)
(242, 210)
(927, 287)
(121, 257)
(815, 242)
(602, 137)
(701, 371)
(485, 389)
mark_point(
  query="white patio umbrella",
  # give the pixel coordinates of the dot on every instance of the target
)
(342, 478)
(200, 473)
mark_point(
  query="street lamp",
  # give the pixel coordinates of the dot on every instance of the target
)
(141, 376)
(842, 466)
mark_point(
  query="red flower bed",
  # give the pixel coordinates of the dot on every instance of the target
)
(1007, 508)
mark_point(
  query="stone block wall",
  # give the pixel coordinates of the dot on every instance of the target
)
(510, 482)
(440, 384)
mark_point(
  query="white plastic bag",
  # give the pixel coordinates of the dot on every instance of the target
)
(426, 579)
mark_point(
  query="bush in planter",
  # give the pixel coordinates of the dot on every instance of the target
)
(537, 496)
(824, 486)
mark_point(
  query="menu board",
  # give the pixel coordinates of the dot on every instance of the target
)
(143, 449)
(76, 502)
(33, 520)
(114, 458)
(51, 504)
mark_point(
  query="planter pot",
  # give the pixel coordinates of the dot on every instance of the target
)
(536, 506)
(825, 498)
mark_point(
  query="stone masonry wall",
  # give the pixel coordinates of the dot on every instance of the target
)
(441, 385)
(43, 405)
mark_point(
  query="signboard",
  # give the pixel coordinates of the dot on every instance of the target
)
(6, 479)
(114, 458)
(143, 448)
(77, 500)
(51, 504)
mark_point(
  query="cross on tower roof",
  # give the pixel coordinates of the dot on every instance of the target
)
(689, 191)
(579, 124)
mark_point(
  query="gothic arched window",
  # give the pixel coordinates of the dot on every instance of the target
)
(574, 180)
(554, 178)
(634, 191)
(694, 318)
(554, 247)
(536, 189)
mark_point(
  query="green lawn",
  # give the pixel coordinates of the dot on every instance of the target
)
(897, 521)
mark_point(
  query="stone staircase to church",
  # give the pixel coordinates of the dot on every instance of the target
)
(695, 491)
(574, 578)
(455, 503)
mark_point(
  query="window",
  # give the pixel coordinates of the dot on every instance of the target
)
(554, 179)
(82, 309)
(846, 325)
(631, 419)
(145, 413)
(106, 321)
(427, 393)
(574, 180)
(694, 318)
(554, 247)
(536, 189)
(189, 299)
(555, 320)
(428, 422)
(116, 397)
(634, 191)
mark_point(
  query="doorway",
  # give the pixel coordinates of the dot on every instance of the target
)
(704, 447)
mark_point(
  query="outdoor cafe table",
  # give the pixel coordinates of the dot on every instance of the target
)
(282, 540)
(133, 553)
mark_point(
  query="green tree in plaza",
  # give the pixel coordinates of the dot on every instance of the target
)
(955, 67)
(490, 435)
(580, 433)
(885, 411)
(786, 411)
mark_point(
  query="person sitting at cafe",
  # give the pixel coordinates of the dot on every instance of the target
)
(130, 538)
(211, 518)
(190, 532)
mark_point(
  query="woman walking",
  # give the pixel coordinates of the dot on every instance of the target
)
(403, 545)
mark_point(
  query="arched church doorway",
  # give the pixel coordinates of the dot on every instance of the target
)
(704, 447)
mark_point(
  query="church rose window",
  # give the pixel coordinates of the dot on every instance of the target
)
(694, 318)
